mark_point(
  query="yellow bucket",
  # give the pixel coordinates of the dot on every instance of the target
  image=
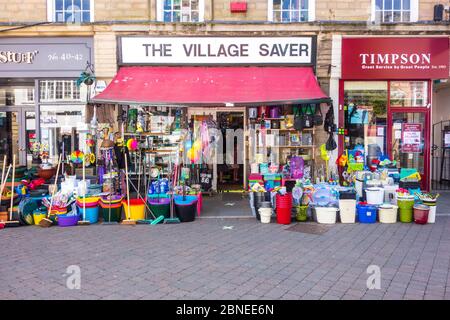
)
(137, 209)
(37, 217)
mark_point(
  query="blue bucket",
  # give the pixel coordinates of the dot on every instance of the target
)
(367, 213)
(91, 213)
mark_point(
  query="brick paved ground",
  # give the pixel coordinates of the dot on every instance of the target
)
(200, 260)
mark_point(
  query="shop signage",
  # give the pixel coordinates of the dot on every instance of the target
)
(44, 57)
(411, 137)
(217, 50)
(395, 58)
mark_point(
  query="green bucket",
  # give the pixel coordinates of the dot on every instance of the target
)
(406, 204)
(406, 215)
(302, 213)
(116, 214)
(160, 210)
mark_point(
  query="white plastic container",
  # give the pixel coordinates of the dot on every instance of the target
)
(266, 214)
(375, 195)
(432, 212)
(389, 194)
(387, 213)
(347, 210)
(326, 215)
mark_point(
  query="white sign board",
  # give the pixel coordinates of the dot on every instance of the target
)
(217, 50)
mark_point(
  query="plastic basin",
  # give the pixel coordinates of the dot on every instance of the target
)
(387, 213)
(326, 215)
(65, 220)
(91, 213)
(421, 213)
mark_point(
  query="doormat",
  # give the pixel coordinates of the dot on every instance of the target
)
(309, 228)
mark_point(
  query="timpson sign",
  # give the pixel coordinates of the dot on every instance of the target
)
(395, 58)
(217, 50)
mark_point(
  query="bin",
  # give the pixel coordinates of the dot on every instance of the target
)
(302, 213)
(284, 208)
(405, 208)
(347, 210)
(111, 212)
(160, 207)
(432, 212)
(387, 213)
(421, 213)
(367, 213)
(185, 207)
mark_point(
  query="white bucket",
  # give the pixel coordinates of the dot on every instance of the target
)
(347, 210)
(432, 212)
(387, 213)
(326, 215)
(266, 214)
(389, 194)
(375, 195)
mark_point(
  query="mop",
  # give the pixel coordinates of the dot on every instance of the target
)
(11, 222)
(84, 222)
(46, 222)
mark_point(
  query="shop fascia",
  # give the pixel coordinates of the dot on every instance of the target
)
(18, 57)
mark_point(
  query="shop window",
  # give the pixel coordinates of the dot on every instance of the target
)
(59, 128)
(17, 96)
(62, 90)
(70, 11)
(180, 10)
(291, 10)
(409, 93)
(392, 11)
(365, 116)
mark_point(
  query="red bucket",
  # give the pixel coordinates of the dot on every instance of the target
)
(284, 215)
(421, 213)
(284, 201)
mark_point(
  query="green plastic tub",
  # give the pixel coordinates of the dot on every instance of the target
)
(302, 213)
(160, 207)
(406, 215)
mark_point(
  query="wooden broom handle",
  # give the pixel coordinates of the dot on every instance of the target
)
(54, 186)
(4, 181)
(12, 187)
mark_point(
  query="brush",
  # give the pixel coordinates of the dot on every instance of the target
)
(46, 222)
(11, 222)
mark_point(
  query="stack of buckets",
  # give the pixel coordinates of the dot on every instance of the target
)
(284, 208)
(258, 199)
(159, 205)
(91, 204)
(111, 208)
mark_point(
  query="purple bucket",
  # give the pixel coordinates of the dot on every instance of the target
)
(65, 220)
(160, 201)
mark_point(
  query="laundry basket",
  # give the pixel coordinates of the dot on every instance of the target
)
(326, 215)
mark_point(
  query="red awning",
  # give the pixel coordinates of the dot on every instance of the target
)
(212, 86)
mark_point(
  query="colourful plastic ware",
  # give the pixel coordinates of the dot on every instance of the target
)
(137, 209)
(421, 213)
(91, 213)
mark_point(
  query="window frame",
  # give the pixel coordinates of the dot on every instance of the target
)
(160, 12)
(311, 12)
(413, 12)
(51, 12)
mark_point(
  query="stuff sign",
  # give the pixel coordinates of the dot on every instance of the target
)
(217, 50)
(395, 58)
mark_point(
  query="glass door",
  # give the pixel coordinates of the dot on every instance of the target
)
(410, 145)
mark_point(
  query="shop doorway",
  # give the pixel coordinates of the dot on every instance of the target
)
(17, 134)
(410, 142)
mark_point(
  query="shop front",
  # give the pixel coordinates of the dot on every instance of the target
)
(39, 98)
(234, 97)
(385, 101)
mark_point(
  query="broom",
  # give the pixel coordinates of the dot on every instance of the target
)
(46, 222)
(84, 222)
(11, 222)
(128, 221)
(3, 182)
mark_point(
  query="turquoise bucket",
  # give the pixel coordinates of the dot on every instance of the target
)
(91, 213)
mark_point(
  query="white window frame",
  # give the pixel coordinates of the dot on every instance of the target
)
(51, 11)
(160, 11)
(66, 87)
(414, 11)
(311, 11)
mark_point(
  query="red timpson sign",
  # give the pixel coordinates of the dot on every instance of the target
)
(395, 58)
